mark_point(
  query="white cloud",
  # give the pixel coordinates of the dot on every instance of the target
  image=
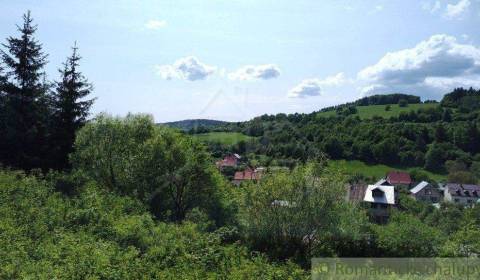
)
(456, 11)
(255, 72)
(187, 68)
(155, 24)
(308, 87)
(315, 87)
(427, 66)
(431, 7)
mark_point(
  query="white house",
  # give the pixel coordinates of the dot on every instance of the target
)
(381, 199)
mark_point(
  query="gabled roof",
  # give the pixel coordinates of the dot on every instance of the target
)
(419, 187)
(382, 182)
(388, 196)
(466, 190)
(398, 177)
(230, 160)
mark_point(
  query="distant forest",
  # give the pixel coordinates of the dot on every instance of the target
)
(429, 138)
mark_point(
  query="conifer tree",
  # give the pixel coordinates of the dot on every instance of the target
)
(71, 107)
(26, 100)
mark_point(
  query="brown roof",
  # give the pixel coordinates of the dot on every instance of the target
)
(398, 177)
(247, 174)
(357, 192)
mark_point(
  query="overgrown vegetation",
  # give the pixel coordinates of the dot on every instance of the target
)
(132, 200)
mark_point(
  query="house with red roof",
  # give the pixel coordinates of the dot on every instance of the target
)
(398, 179)
(248, 174)
(229, 160)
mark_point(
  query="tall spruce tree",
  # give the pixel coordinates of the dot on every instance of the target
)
(71, 107)
(26, 100)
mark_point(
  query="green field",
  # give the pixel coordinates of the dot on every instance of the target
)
(229, 138)
(367, 112)
(377, 171)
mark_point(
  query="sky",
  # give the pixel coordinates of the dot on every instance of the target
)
(234, 60)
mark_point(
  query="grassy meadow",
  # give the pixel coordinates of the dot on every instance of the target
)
(375, 170)
(368, 112)
(228, 138)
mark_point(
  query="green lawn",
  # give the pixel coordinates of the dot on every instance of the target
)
(377, 171)
(229, 138)
(367, 112)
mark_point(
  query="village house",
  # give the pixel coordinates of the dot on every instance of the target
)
(381, 200)
(248, 174)
(463, 194)
(399, 179)
(228, 161)
(426, 192)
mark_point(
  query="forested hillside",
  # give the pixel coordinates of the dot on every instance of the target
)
(431, 137)
(197, 124)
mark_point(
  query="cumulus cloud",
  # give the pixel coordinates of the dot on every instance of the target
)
(155, 24)
(315, 87)
(255, 72)
(187, 68)
(456, 11)
(439, 58)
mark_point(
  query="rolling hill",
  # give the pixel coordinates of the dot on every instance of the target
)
(368, 112)
(194, 123)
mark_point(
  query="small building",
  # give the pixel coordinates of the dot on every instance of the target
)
(228, 161)
(463, 194)
(248, 174)
(426, 192)
(381, 200)
(399, 179)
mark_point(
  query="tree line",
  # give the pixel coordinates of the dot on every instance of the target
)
(427, 137)
(38, 118)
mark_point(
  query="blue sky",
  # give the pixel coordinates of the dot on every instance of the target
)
(233, 60)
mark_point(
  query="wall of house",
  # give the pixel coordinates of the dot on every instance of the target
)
(463, 200)
(429, 194)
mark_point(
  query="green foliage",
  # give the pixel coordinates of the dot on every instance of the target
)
(407, 236)
(25, 101)
(38, 126)
(464, 243)
(167, 170)
(370, 111)
(402, 103)
(375, 171)
(71, 108)
(300, 214)
(101, 235)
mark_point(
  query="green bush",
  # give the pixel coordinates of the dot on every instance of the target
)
(98, 234)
